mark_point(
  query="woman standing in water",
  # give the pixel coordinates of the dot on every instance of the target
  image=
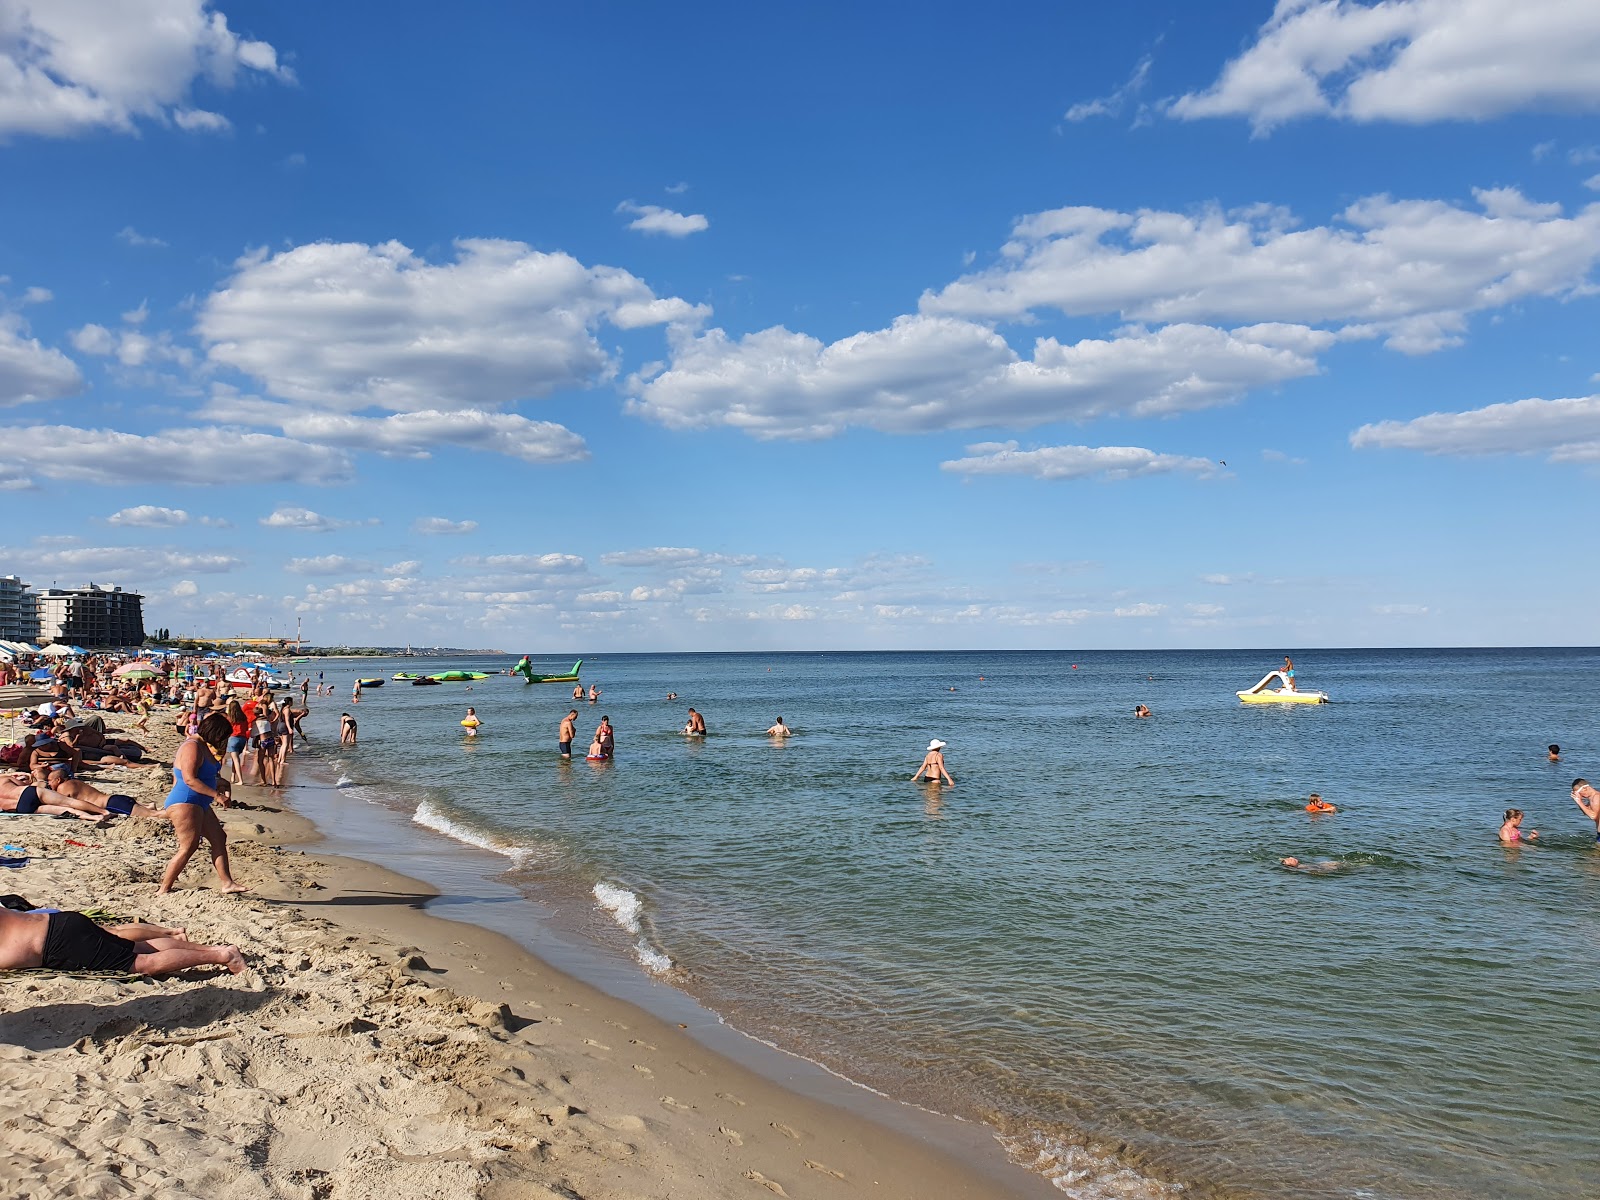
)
(933, 765)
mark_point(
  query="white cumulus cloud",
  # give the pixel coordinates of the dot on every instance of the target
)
(30, 372)
(1409, 269)
(192, 455)
(1568, 430)
(121, 564)
(929, 373)
(70, 66)
(347, 326)
(288, 516)
(1074, 462)
(1412, 61)
(408, 434)
(652, 218)
(149, 516)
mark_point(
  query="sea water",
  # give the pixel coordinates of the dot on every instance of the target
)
(1088, 942)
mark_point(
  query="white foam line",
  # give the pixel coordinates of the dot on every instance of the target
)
(430, 817)
(624, 908)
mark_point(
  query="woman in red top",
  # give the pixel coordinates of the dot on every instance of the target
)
(238, 737)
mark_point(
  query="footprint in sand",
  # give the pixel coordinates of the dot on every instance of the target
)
(643, 1070)
(638, 1042)
(826, 1170)
(735, 1138)
(772, 1185)
(595, 1044)
(730, 1098)
(617, 1024)
(785, 1130)
(671, 1103)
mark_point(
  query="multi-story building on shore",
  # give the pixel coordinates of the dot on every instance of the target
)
(93, 617)
(19, 611)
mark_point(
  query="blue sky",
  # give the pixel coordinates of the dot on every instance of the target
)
(614, 327)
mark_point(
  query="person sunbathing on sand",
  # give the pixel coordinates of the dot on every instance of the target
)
(19, 794)
(70, 941)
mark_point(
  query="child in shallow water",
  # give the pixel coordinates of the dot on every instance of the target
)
(1511, 828)
(1316, 804)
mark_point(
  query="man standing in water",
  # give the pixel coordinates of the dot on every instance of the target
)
(696, 725)
(1587, 798)
(569, 730)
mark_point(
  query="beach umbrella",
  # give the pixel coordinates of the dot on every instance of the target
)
(135, 670)
(40, 676)
(56, 650)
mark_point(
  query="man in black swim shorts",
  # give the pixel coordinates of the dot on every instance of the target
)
(70, 941)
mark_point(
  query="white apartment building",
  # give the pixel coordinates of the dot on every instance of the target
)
(19, 611)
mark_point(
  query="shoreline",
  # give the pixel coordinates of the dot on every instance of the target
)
(436, 1048)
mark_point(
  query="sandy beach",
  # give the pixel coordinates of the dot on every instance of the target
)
(373, 1050)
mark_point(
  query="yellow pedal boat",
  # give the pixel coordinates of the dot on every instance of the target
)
(1263, 693)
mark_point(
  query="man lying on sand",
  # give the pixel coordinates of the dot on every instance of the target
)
(19, 794)
(70, 941)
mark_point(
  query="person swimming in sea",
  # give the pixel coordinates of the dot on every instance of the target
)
(1511, 828)
(1555, 752)
(1141, 710)
(1326, 867)
(779, 730)
(471, 722)
(1316, 804)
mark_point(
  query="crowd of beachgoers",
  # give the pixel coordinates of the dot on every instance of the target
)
(71, 762)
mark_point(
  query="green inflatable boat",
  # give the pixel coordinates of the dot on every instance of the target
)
(458, 676)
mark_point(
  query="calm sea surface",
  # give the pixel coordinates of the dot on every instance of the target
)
(1088, 942)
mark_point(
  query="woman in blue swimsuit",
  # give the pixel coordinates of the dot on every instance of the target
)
(196, 785)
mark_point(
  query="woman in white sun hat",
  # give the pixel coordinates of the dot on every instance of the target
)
(933, 765)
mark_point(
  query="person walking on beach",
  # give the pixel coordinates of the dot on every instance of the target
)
(933, 765)
(196, 786)
(1588, 800)
(696, 726)
(569, 730)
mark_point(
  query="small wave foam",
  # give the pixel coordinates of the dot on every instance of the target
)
(1084, 1173)
(344, 781)
(624, 907)
(429, 816)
